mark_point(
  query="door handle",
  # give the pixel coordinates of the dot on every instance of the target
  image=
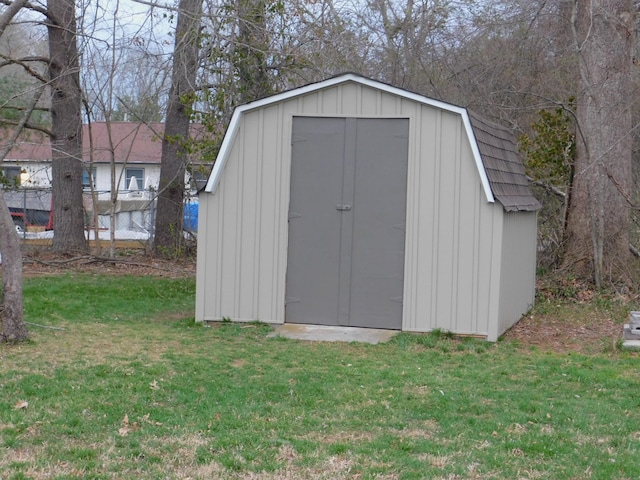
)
(343, 208)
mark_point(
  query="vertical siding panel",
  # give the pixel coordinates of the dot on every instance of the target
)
(411, 260)
(456, 299)
(479, 201)
(429, 196)
(495, 269)
(228, 244)
(258, 214)
(266, 256)
(205, 264)
(247, 201)
(426, 241)
(369, 102)
(239, 198)
(282, 214)
(348, 99)
(310, 102)
(517, 288)
(483, 262)
(445, 226)
(387, 105)
(219, 237)
(433, 251)
(466, 250)
(258, 202)
(283, 179)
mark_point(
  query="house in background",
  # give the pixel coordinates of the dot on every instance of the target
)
(134, 148)
(350, 202)
(124, 154)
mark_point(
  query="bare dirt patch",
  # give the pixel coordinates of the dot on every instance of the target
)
(572, 317)
(589, 335)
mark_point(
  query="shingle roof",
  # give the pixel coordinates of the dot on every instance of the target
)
(499, 154)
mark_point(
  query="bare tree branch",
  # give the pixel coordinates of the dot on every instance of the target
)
(12, 10)
(27, 68)
(29, 5)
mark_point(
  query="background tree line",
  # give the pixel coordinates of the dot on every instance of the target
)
(561, 73)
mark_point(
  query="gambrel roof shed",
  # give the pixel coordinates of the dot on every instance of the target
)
(352, 202)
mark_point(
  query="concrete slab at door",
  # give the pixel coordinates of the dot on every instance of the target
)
(346, 223)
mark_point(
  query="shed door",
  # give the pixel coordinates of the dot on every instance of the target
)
(347, 211)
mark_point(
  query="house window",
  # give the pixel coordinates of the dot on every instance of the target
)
(138, 175)
(88, 181)
(10, 175)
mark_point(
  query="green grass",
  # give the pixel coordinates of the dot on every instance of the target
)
(128, 387)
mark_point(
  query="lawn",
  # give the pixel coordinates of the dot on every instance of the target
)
(122, 384)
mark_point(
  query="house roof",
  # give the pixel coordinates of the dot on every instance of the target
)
(131, 142)
(494, 149)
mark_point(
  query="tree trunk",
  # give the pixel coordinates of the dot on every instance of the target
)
(251, 51)
(170, 210)
(11, 313)
(598, 223)
(66, 127)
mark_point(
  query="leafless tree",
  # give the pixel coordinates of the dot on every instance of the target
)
(123, 80)
(66, 127)
(168, 238)
(12, 326)
(599, 215)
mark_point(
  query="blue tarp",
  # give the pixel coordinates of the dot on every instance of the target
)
(191, 216)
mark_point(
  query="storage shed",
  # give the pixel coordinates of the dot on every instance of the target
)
(352, 202)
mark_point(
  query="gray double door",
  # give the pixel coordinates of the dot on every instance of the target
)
(347, 216)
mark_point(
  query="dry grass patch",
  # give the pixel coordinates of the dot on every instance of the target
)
(345, 437)
(90, 344)
(437, 461)
(424, 430)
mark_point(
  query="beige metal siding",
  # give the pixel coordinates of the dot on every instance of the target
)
(518, 275)
(245, 224)
(451, 266)
(242, 251)
(453, 235)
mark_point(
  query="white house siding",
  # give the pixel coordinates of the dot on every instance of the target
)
(38, 174)
(518, 272)
(33, 174)
(452, 260)
(102, 178)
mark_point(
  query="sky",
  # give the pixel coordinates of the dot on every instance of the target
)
(135, 21)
